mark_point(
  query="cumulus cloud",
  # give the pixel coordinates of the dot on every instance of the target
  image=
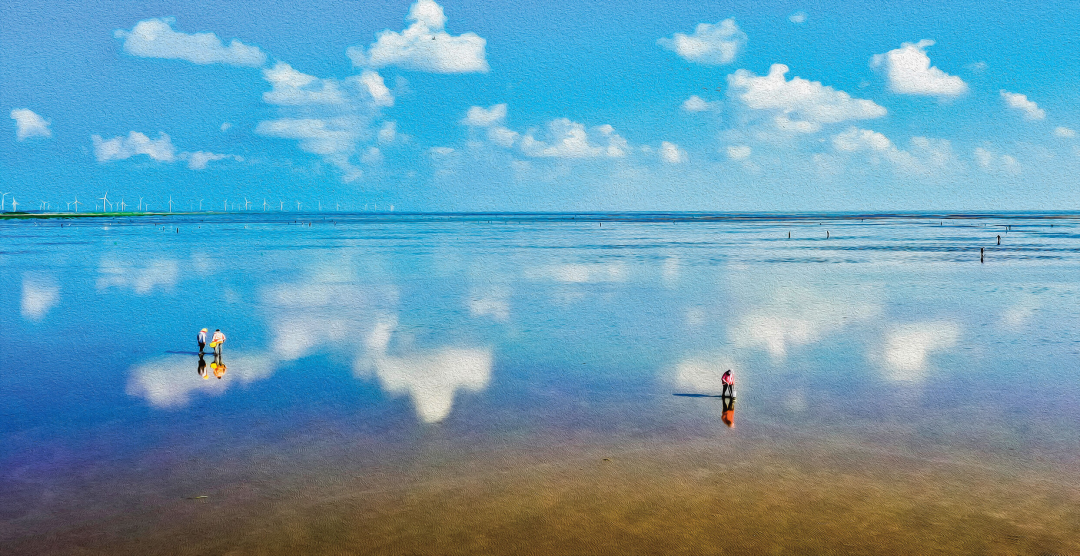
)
(39, 294)
(738, 152)
(801, 105)
(28, 124)
(491, 119)
(924, 156)
(200, 160)
(568, 139)
(120, 148)
(478, 116)
(327, 117)
(908, 347)
(797, 17)
(155, 38)
(334, 138)
(711, 44)
(424, 45)
(697, 104)
(291, 87)
(671, 153)
(1020, 102)
(908, 71)
(992, 162)
(1064, 132)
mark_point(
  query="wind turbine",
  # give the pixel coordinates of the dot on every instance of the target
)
(264, 204)
(282, 207)
(226, 205)
(76, 203)
(170, 204)
(42, 206)
(200, 205)
(247, 204)
(14, 204)
(104, 200)
(140, 203)
(297, 205)
(123, 205)
(2, 199)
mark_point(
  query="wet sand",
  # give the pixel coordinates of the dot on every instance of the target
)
(723, 493)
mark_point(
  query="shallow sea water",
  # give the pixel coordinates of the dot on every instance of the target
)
(541, 384)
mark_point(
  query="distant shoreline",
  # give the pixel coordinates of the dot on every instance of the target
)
(614, 216)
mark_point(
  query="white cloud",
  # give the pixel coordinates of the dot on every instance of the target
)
(671, 153)
(568, 139)
(697, 104)
(925, 156)
(120, 148)
(991, 162)
(977, 67)
(199, 160)
(376, 87)
(28, 124)
(738, 152)
(908, 347)
(1020, 102)
(855, 139)
(712, 44)
(502, 136)
(1064, 132)
(155, 38)
(388, 132)
(811, 102)
(225, 127)
(441, 151)
(327, 117)
(39, 295)
(372, 156)
(292, 88)
(797, 17)
(908, 71)
(334, 138)
(424, 45)
(478, 116)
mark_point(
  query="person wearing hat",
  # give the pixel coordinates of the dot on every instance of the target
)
(201, 338)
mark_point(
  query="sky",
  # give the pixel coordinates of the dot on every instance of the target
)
(541, 106)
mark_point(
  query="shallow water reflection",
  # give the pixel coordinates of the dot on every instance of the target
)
(391, 347)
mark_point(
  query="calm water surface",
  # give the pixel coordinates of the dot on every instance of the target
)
(516, 384)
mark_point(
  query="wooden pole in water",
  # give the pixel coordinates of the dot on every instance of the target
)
(981, 254)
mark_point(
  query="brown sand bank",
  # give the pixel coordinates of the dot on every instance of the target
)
(717, 495)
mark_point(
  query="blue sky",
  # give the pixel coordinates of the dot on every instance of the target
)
(543, 106)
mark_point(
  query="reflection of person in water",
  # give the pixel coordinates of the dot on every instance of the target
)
(729, 385)
(202, 367)
(201, 338)
(218, 366)
(728, 415)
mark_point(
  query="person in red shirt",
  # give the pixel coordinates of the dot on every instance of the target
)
(729, 385)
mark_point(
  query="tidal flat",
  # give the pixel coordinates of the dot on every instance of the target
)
(541, 384)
